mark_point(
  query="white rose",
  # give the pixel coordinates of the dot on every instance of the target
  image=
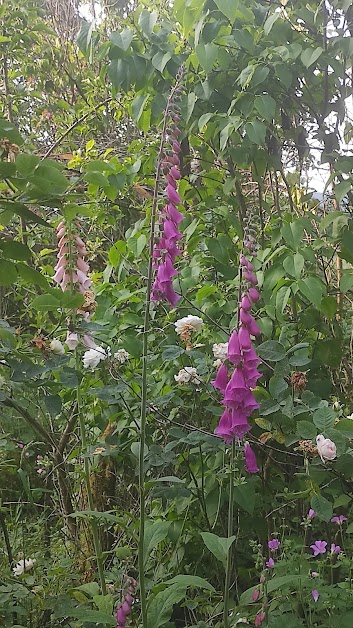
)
(24, 565)
(190, 321)
(121, 356)
(220, 350)
(186, 375)
(92, 357)
(326, 448)
(57, 347)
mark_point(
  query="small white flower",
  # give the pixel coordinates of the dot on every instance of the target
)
(24, 565)
(71, 340)
(121, 356)
(92, 357)
(190, 322)
(326, 448)
(217, 363)
(220, 350)
(57, 347)
(186, 375)
(350, 417)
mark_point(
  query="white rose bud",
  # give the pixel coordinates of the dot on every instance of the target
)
(326, 448)
(57, 347)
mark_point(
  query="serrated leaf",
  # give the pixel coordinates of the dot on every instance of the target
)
(341, 190)
(306, 430)
(324, 418)
(271, 350)
(172, 352)
(322, 507)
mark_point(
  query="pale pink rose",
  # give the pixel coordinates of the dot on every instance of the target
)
(326, 448)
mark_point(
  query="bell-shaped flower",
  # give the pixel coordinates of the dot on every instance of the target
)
(234, 355)
(221, 380)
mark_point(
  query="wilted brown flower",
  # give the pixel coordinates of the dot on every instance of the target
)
(298, 381)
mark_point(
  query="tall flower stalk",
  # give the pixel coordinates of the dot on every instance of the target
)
(236, 380)
(161, 259)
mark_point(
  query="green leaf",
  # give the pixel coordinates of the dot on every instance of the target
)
(48, 179)
(245, 496)
(84, 37)
(218, 545)
(294, 264)
(206, 55)
(45, 303)
(218, 248)
(345, 426)
(147, 21)
(322, 507)
(122, 39)
(137, 106)
(310, 55)
(273, 585)
(9, 131)
(70, 300)
(266, 106)
(161, 606)
(312, 288)
(160, 60)
(341, 190)
(155, 533)
(229, 8)
(191, 581)
(26, 164)
(269, 406)
(117, 72)
(324, 418)
(328, 307)
(271, 350)
(346, 281)
(7, 169)
(306, 430)
(8, 273)
(15, 250)
(293, 233)
(21, 210)
(270, 22)
(32, 276)
(256, 132)
(277, 386)
(91, 588)
(172, 352)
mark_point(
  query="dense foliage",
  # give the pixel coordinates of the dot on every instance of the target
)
(116, 493)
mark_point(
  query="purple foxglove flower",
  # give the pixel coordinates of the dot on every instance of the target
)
(335, 549)
(319, 547)
(251, 376)
(240, 424)
(88, 341)
(82, 265)
(250, 459)
(250, 277)
(236, 389)
(171, 180)
(224, 427)
(253, 294)
(170, 230)
(176, 147)
(245, 317)
(315, 594)
(245, 303)
(173, 195)
(175, 173)
(339, 520)
(261, 615)
(270, 563)
(251, 359)
(166, 270)
(58, 277)
(221, 380)
(312, 514)
(174, 214)
(175, 160)
(243, 261)
(273, 544)
(244, 338)
(253, 328)
(233, 354)
(83, 279)
(71, 340)
(255, 595)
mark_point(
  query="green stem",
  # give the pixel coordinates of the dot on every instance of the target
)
(86, 469)
(230, 533)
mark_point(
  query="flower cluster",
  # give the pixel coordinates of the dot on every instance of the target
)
(166, 248)
(185, 327)
(188, 374)
(124, 609)
(237, 392)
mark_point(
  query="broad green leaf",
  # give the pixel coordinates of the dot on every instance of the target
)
(32, 276)
(147, 21)
(229, 8)
(160, 60)
(84, 37)
(312, 288)
(219, 546)
(15, 250)
(91, 588)
(191, 581)
(160, 607)
(70, 300)
(345, 426)
(45, 303)
(294, 264)
(245, 496)
(8, 273)
(328, 307)
(137, 106)
(324, 418)
(117, 72)
(306, 430)
(256, 132)
(22, 210)
(7, 169)
(341, 190)
(266, 106)
(207, 55)
(293, 233)
(9, 131)
(322, 507)
(271, 350)
(277, 386)
(273, 585)
(346, 281)
(172, 352)
(26, 164)
(122, 39)
(48, 179)
(310, 55)
(270, 22)
(155, 533)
